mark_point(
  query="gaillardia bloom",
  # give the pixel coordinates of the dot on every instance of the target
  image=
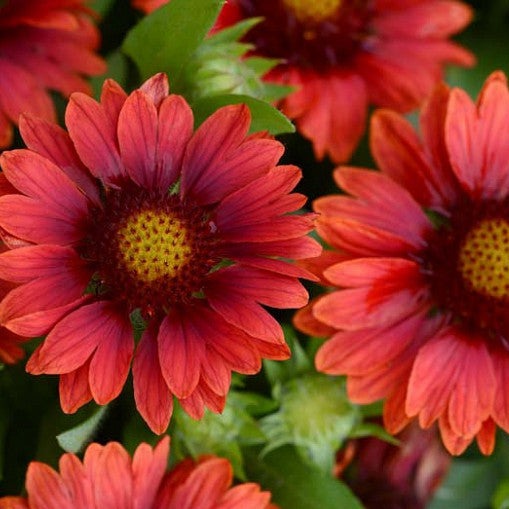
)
(43, 46)
(342, 55)
(421, 313)
(108, 477)
(139, 225)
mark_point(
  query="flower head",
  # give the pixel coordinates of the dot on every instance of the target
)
(394, 476)
(137, 224)
(420, 312)
(43, 46)
(342, 55)
(108, 477)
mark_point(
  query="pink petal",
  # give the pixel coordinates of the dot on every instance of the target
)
(26, 263)
(74, 388)
(204, 486)
(472, 398)
(245, 495)
(219, 159)
(52, 142)
(360, 308)
(53, 295)
(75, 338)
(94, 137)
(268, 288)
(361, 351)
(157, 88)
(434, 377)
(137, 137)
(22, 93)
(112, 359)
(216, 373)
(331, 112)
(113, 98)
(76, 481)
(46, 489)
(109, 468)
(181, 349)
(424, 20)
(267, 196)
(500, 361)
(148, 468)
(175, 130)
(356, 237)
(202, 397)
(39, 222)
(151, 394)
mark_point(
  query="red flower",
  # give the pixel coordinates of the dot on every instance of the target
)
(108, 477)
(421, 316)
(396, 476)
(43, 45)
(181, 231)
(344, 55)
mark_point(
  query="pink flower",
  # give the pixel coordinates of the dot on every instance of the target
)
(343, 55)
(133, 218)
(420, 314)
(108, 477)
(44, 45)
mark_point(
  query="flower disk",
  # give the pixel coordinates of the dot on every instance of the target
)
(133, 226)
(151, 251)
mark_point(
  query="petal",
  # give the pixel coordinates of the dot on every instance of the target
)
(181, 348)
(40, 303)
(94, 137)
(219, 159)
(434, 377)
(331, 111)
(204, 486)
(27, 263)
(478, 153)
(153, 398)
(246, 495)
(39, 222)
(74, 388)
(137, 137)
(109, 468)
(112, 359)
(76, 481)
(202, 397)
(52, 142)
(45, 488)
(73, 340)
(148, 469)
(263, 198)
(362, 351)
(175, 130)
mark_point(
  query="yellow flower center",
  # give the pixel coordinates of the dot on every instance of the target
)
(484, 258)
(312, 10)
(153, 245)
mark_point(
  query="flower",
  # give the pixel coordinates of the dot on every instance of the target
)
(108, 477)
(396, 476)
(43, 46)
(136, 223)
(344, 55)
(420, 311)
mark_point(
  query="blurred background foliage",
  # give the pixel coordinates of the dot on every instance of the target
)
(274, 429)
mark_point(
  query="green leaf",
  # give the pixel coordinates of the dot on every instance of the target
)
(296, 485)
(75, 439)
(264, 116)
(234, 32)
(165, 40)
(501, 497)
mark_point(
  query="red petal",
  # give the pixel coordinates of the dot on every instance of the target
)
(151, 394)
